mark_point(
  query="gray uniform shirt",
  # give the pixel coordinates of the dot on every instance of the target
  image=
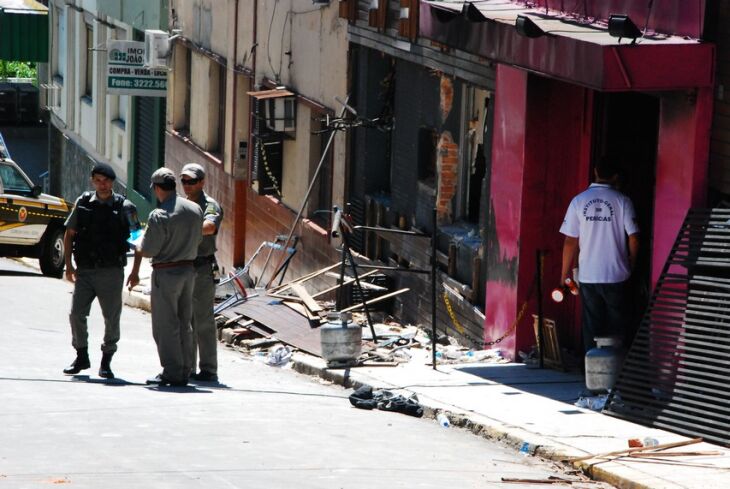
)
(174, 231)
(211, 212)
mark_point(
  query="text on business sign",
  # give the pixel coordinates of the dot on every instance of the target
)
(126, 74)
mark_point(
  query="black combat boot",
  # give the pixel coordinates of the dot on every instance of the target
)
(80, 363)
(105, 370)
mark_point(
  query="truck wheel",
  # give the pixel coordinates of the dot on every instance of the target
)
(51, 259)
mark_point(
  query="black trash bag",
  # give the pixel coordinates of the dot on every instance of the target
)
(362, 398)
(366, 398)
(401, 404)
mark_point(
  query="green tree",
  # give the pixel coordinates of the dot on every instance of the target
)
(18, 69)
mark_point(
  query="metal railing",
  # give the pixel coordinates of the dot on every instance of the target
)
(676, 372)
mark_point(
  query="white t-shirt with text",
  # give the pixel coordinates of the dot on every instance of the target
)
(601, 218)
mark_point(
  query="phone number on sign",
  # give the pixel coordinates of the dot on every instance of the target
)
(137, 83)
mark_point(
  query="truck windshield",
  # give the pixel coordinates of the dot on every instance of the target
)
(13, 181)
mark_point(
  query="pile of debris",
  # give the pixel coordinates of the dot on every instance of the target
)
(263, 321)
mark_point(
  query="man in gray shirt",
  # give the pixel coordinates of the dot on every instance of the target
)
(205, 338)
(171, 241)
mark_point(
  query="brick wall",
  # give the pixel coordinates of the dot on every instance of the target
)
(267, 218)
(447, 165)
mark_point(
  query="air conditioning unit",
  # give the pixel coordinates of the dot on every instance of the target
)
(156, 48)
(281, 114)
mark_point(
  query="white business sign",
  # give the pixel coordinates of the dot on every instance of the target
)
(126, 74)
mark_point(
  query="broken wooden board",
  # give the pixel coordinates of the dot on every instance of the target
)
(346, 282)
(286, 324)
(309, 276)
(302, 309)
(302, 293)
(364, 283)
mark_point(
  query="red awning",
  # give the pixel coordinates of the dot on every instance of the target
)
(578, 51)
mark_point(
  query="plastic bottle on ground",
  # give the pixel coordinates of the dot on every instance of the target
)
(443, 420)
(650, 442)
(525, 449)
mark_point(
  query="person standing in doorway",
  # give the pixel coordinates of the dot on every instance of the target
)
(600, 227)
(171, 240)
(205, 337)
(96, 234)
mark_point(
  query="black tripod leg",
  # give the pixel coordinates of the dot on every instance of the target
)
(346, 250)
(340, 290)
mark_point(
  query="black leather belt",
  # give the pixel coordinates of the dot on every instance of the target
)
(173, 264)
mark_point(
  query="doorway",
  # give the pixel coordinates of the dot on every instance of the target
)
(626, 129)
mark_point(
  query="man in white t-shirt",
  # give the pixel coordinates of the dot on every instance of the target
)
(596, 227)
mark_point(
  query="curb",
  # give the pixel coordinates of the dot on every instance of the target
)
(138, 300)
(516, 438)
(306, 364)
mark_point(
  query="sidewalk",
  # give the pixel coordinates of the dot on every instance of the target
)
(520, 405)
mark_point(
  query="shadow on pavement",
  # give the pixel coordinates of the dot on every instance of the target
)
(552, 384)
(190, 388)
(18, 273)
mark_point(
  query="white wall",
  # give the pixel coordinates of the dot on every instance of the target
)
(204, 22)
(316, 68)
(100, 125)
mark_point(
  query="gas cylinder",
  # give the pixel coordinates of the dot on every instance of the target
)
(603, 363)
(341, 340)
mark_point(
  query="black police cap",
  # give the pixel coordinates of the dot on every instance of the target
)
(104, 169)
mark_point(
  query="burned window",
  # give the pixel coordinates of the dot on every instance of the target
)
(472, 168)
(427, 141)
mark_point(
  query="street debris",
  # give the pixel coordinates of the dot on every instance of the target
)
(629, 451)
(595, 403)
(261, 321)
(702, 453)
(279, 356)
(366, 398)
(443, 420)
(550, 480)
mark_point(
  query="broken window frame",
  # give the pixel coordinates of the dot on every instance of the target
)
(475, 107)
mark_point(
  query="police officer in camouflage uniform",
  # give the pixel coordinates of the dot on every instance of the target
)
(96, 233)
(205, 338)
(171, 241)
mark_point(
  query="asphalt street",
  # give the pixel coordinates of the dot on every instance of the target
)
(261, 427)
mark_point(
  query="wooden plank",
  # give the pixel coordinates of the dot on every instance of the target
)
(676, 454)
(377, 299)
(346, 282)
(628, 451)
(304, 278)
(303, 310)
(552, 354)
(284, 297)
(311, 304)
(281, 321)
(349, 280)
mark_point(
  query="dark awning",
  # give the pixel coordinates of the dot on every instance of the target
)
(580, 52)
(23, 31)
